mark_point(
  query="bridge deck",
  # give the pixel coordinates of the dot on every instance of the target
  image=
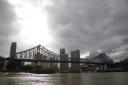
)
(50, 61)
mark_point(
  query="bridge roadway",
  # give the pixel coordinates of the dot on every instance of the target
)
(52, 61)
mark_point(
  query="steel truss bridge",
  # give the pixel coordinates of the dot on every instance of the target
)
(42, 54)
(37, 53)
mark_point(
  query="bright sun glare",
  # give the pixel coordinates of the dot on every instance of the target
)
(34, 28)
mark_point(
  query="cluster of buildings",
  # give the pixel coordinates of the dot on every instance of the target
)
(63, 66)
(69, 67)
(73, 64)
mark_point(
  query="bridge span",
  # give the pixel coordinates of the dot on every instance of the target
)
(43, 57)
(53, 61)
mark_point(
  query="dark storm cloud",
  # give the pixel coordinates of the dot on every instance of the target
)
(89, 24)
(7, 29)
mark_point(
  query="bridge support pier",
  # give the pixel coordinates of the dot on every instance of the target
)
(102, 68)
(5, 65)
(105, 67)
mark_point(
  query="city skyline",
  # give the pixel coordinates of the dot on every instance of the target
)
(87, 25)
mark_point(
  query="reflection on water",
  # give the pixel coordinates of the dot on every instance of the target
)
(64, 79)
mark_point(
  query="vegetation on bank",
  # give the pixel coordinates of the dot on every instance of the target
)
(19, 67)
(16, 66)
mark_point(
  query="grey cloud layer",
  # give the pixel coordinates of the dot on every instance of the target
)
(7, 29)
(87, 25)
(90, 24)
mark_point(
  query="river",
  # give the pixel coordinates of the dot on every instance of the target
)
(117, 78)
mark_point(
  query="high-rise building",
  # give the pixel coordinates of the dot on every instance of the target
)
(63, 57)
(13, 50)
(75, 56)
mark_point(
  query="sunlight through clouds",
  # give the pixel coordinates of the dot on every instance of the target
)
(32, 18)
(96, 24)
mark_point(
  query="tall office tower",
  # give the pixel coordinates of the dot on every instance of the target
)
(13, 50)
(63, 57)
(75, 56)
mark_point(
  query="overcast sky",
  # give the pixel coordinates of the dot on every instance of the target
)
(88, 25)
